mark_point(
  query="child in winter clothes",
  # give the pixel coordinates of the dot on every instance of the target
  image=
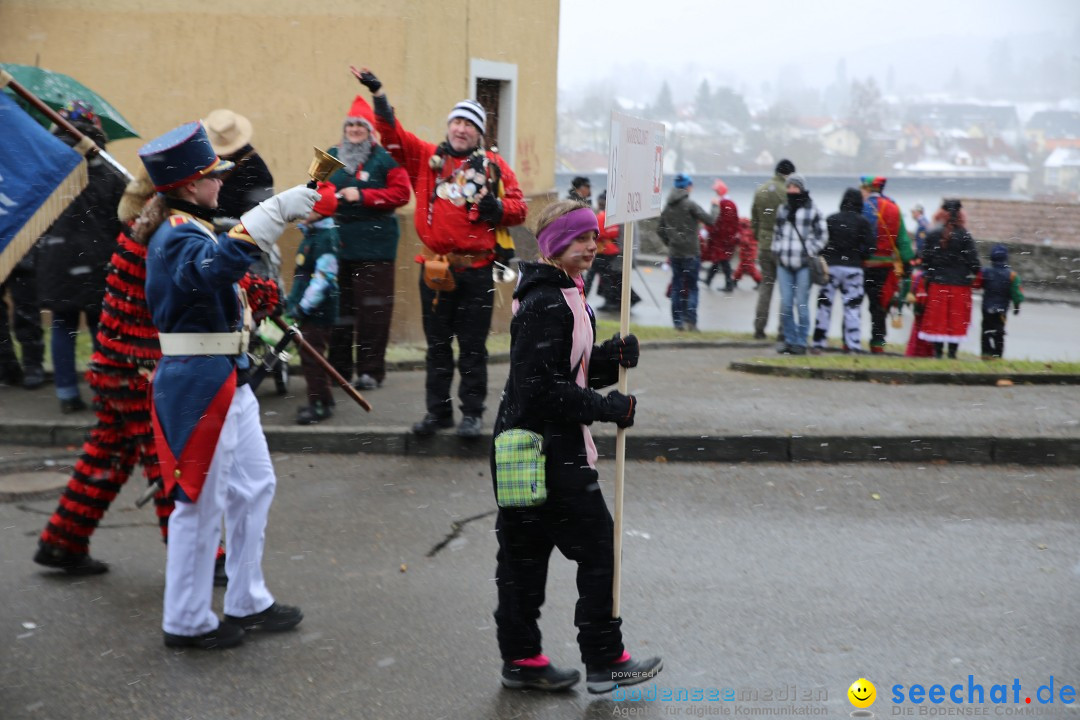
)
(718, 246)
(313, 301)
(554, 366)
(917, 347)
(1001, 287)
(748, 249)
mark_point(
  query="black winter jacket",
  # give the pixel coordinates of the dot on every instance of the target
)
(540, 393)
(851, 239)
(72, 257)
(246, 185)
(954, 263)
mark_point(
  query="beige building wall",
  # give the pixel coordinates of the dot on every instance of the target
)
(284, 65)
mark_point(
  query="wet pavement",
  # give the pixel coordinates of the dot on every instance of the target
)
(784, 579)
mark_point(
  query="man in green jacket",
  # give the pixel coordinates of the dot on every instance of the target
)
(768, 198)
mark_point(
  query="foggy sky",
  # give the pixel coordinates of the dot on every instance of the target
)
(745, 44)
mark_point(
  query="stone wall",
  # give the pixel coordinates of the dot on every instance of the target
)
(1042, 268)
(1043, 239)
(1032, 223)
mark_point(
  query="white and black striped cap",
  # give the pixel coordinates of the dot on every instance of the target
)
(469, 110)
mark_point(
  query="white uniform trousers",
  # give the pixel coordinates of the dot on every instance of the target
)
(241, 484)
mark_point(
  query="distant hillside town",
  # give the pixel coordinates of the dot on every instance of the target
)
(1036, 147)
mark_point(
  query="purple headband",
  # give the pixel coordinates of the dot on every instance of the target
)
(557, 236)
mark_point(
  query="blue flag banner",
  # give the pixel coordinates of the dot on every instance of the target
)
(39, 177)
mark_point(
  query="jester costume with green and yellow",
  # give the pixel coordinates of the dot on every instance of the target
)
(888, 268)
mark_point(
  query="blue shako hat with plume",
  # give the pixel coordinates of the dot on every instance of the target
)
(180, 156)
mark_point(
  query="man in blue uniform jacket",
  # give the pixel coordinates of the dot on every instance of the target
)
(209, 438)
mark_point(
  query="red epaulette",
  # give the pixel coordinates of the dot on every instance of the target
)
(175, 220)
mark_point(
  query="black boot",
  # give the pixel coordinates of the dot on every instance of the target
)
(604, 678)
(225, 635)
(11, 373)
(72, 563)
(430, 424)
(221, 578)
(275, 618)
(72, 405)
(548, 678)
(471, 427)
(313, 414)
(34, 377)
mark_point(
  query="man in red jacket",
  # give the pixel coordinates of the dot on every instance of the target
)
(464, 193)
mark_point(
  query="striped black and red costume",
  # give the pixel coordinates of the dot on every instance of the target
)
(119, 376)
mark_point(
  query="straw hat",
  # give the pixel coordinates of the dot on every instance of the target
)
(228, 131)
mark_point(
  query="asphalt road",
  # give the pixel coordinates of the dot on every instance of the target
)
(752, 577)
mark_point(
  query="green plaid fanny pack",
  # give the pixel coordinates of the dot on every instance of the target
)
(519, 469)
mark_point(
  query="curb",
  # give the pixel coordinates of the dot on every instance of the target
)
(906, 378)
(503, 357)
(643, 446)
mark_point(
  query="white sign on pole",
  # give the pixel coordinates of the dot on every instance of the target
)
(635, 169)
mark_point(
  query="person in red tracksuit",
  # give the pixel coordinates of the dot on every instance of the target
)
(748, 250)
(464, 194)
(722, 237)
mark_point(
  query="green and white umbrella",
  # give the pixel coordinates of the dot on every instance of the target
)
(57, 89)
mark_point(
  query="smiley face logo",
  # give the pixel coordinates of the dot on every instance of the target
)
(862, 693)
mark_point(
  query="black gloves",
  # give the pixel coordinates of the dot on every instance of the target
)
(619, 409)
(622, 350)
(489, 209)
(368, 80)
(1016, 310)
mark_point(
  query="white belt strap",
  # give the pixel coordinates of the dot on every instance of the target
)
(232, 343)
